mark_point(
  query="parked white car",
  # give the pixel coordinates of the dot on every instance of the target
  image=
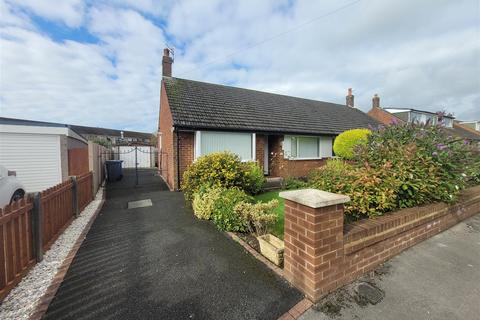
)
(11, 189)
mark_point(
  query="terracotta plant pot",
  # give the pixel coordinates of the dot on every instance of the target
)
(272, 248)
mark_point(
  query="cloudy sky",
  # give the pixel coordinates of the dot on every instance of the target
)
(98, 63)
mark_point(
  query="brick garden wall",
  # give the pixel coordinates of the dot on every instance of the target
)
(322, 254)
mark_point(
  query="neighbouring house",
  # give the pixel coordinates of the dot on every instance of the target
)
(390, 115)
(113, 137)
(475, 125)
(42, 154)
(286, 136)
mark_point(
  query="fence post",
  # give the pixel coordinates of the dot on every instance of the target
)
(75, 195)
(37, 226)
(92, 184)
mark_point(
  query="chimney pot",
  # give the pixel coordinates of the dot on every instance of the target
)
(167, 63)
(350, 99)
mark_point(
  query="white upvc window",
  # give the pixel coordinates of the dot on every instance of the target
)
(307, 147)
(240, 143)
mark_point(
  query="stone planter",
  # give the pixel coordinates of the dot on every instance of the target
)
(272, 248)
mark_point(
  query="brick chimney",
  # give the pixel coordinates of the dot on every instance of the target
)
(167, 63)
(350, 102)
(376, 101)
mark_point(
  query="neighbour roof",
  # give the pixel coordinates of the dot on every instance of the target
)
(394, 110)
(110, 132)
(78, 129)
(200, 105)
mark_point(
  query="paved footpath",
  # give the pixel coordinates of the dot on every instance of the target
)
(438, 279)
(160, 262)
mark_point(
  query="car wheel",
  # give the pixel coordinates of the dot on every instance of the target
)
(17, 195)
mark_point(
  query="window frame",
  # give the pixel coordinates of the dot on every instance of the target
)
(197, 152)
(319, 147)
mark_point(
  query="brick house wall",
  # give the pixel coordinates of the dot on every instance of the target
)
(281, 167)
(166, 158)
(260, 149)
(186, 146)
(383, 116)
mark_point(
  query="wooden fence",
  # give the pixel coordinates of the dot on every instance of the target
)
(16, 244)
(30, 226)
(77, 161)
(85, 190)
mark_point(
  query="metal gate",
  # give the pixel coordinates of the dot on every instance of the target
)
(137, 156)
(138, 163)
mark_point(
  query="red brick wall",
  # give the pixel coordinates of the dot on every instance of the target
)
(166, 161)
(383, 116)
(186, 145)
(281, 167)
(320, 257)
(260, 149)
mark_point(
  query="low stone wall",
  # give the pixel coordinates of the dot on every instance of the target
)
(322, 254)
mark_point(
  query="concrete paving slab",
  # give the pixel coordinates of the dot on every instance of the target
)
(437, 279)
(140, 204)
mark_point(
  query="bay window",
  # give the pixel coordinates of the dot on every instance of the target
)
(240, 143)
(307, 147)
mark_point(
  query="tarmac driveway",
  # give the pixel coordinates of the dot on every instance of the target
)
(159, 262)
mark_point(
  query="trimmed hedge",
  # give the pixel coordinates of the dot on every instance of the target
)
(346, 142)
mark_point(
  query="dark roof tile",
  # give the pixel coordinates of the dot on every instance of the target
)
(203, 105)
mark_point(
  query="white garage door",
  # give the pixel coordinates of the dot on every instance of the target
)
(127, 154)
(35, 158)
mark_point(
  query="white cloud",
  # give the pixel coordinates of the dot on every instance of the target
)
(70, 12)
(423, 55)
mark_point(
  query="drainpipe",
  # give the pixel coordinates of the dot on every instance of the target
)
(178, 156)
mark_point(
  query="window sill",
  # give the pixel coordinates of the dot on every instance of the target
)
(300, 159)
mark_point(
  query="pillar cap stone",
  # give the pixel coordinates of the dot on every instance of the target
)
(314, 198)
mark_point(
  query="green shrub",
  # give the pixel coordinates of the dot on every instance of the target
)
(260, 216)
(292, 183)
(223, 214)
(346, 142)
(371, 191)
(204, 200)
(222, 169)
(335, 174)
(430, 164)
(254, 178)
(399, 167)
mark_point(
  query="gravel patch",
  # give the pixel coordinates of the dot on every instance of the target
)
(22, 300)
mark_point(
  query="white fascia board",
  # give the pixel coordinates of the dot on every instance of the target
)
(33, 129)
(7, 128)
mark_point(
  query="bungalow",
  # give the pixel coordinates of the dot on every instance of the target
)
(286, 136)
(389, 115)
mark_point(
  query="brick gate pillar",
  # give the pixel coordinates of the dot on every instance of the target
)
(313, 238)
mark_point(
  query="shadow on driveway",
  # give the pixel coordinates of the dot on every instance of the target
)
(160, 262)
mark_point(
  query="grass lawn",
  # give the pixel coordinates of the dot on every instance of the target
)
(270, 195)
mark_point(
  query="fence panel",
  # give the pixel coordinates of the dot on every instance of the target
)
(77, 161)
(16, 244)
(85, 190)
(58, 211)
